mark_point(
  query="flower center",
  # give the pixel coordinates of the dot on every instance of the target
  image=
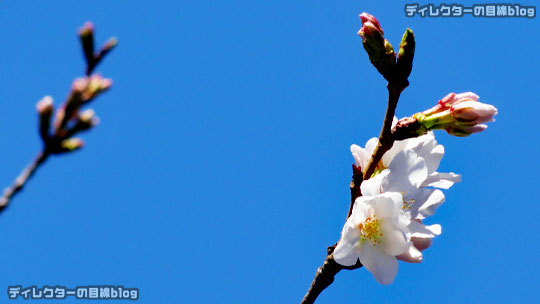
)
(407, 205)
(369, 230)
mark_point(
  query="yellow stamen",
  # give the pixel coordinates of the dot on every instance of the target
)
(407, 205)
(369, 230)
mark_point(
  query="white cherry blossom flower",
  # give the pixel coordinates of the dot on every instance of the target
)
(376, 232)
(424, 146)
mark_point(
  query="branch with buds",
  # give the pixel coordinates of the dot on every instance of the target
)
(58, 135)
(385, 206)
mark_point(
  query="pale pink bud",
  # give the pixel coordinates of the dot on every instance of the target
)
(45, 106)
(459, 114)
(89, 118)
(474, 112)
(87, 28)
(449, 100)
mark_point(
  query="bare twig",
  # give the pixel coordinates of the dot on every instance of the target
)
(385, 138)
(356, 181)
(22, 179)
(325, 274)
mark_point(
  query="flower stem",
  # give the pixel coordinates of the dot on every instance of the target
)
(385, 138)
(21, 180)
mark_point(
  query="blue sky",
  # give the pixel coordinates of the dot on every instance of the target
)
(220, 170)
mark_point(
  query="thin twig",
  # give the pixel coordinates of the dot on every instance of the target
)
(385, 138)
(22, 179)
(324, 277)
(325, 274)
(356, 181)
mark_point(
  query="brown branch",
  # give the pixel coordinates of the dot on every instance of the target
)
(385, 138)
(22, 179)
(324, 276)
(356, 181)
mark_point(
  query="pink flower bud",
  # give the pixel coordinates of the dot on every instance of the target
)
(459, 114)
(471, 111)
(86, 29)
(45, 106)
(380, 51)
(80, 84)
(371, 22)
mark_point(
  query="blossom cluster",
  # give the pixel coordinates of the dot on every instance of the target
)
(386, 223)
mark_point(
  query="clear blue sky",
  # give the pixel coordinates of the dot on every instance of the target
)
(220, 170)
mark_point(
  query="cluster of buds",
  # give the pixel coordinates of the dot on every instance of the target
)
(382, 54)
(458, 114)
(69, 118)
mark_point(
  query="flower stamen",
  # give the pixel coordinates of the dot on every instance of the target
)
(369, 230)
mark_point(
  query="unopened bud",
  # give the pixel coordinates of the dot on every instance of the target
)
(87, 29)
(458, 114)
(86, 34)
(88, 118)
(45, 106)
(45, 110)
(380, 51)
(80, 84)
(71, 144)
(406, 55)
(110, 44)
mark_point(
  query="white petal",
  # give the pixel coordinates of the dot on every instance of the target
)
(394, 241)
(470, 95)
(397, 147)
(412, 255)
(371, 144)
(436, 229)
(406, 169)
(426, 201)
(361, 156)
(419, 230)
(373, 186)
(381, 265)
(387, 205)
(441, 180)
(422, 144)
(361, 210)
(346, 253)
(433, 158)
